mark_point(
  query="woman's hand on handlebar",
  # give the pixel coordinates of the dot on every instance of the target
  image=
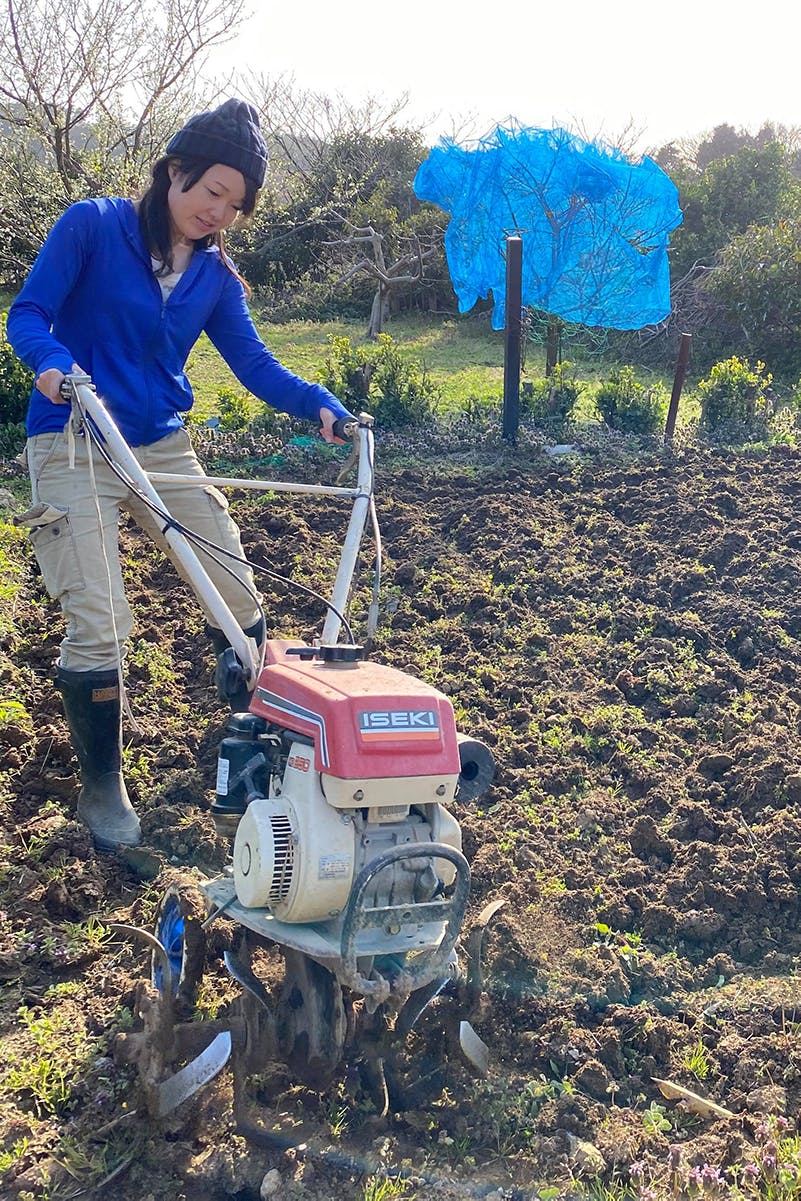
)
(327, 427)
(50, 381)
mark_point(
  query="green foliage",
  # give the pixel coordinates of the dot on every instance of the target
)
(295, 248)
(655, 1120)
(629, 406)
(756, 285)
(733, 399)
(12, 439)
(382, 1188)
(44, 1073)
(722, 200)
(696, 1060)
(234, 410)
(550, 401)
(16, 382)
(397, 391)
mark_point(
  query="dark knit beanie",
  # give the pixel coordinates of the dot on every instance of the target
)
(229, 134)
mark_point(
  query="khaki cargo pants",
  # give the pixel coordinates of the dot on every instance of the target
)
(81, 568)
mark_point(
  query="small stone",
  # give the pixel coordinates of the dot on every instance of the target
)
(585, 1157)
(793, 785)
(270, 1185)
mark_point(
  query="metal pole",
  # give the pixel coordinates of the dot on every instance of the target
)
(353, 538)
(511, 348)
(195, 573)
(678, 383)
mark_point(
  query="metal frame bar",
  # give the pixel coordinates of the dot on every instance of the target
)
(357, 914)
(88, 402)
(225, 481)
(244, 647)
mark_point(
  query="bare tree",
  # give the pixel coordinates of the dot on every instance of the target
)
(407, 269)
(308, 129)
(89, 89)
(626, 139)
(341, 184)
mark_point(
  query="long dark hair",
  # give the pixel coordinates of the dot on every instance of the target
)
(154, 213)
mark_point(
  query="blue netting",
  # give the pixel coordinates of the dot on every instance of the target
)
(594, 225)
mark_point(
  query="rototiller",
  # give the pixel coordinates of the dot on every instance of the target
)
(346, 861)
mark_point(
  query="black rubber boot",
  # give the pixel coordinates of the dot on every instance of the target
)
(231, 687)
(92, 708)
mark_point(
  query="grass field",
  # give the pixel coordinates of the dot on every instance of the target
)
(463, 356)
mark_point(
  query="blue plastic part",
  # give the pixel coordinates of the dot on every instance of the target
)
(170, 933)
(594, 225)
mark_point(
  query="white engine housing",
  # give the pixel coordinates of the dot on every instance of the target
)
(296, 855)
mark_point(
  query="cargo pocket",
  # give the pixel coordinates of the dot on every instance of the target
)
(54, 545)
(217, 499)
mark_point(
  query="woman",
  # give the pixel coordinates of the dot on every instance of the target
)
(125, 290)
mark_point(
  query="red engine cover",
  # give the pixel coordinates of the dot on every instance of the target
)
(368, 721)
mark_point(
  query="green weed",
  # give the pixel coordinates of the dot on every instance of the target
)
(150, 657)
(696, 1060)
(14, 713)
(44, 1080)
(655, 1120)
(382, 1188)
(509, 1113)
(551, 886)
(9, 1158)
(44, 1074)
(92, 935)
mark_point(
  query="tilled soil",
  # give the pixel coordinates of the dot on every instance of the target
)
(626, 640)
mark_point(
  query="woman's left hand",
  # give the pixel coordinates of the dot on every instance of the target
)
(327, 420)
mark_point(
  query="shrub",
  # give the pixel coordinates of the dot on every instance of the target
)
(346, 371)
(234, 410)
(16, 381)
(629, 406)
(733, 399)
(12, 439)
(550, 402)
(396, 391)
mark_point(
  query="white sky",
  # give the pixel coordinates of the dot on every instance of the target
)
(672, 70)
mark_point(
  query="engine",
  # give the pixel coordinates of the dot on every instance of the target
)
(369, 763)
(297, 855)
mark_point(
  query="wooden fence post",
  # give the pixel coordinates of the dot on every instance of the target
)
(511, 346)
(678, 383)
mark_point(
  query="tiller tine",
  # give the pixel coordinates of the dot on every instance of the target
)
(474, 949)
(417, 1003)
(244, 975)
(474, 1049)
(161, 1040)
(472, 1046)
(176, 1089)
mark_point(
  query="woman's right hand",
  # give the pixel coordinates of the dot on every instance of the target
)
(50, 381)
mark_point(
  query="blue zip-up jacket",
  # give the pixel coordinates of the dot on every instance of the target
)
(92, 298)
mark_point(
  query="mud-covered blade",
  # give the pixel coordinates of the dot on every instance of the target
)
(247, 978)
(474, 1049)
(190, 1079)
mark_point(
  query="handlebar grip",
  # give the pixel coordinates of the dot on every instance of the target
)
(344, 427)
